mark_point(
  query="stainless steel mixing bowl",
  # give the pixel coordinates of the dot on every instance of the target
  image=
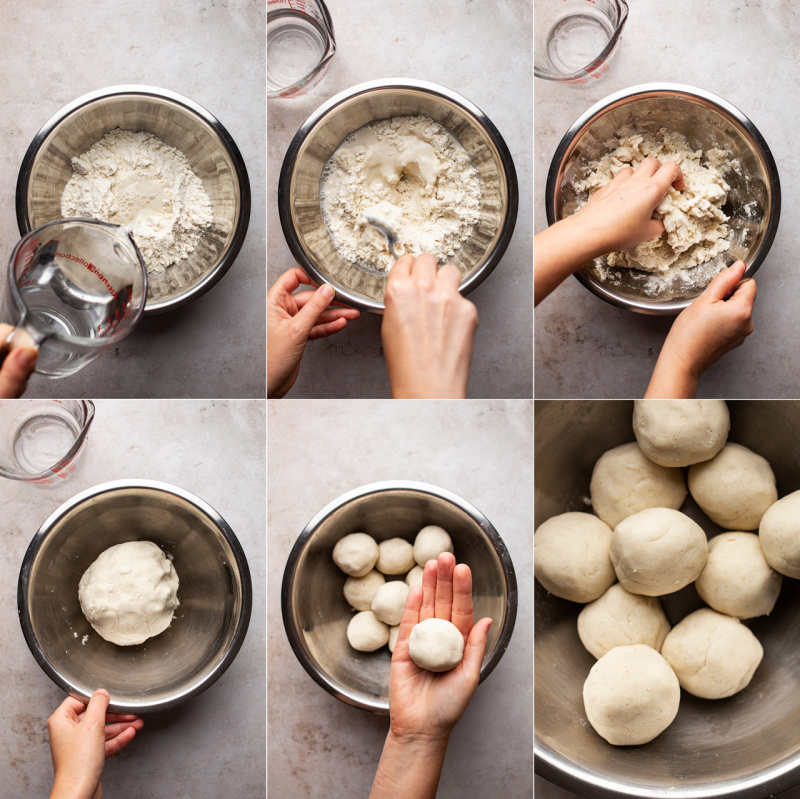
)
(316, 614)
(744, 747)
(215, 595)
(180, 123)
(707, 121)
(332, 122)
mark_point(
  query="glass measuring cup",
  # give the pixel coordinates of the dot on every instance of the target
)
(74, 288)
(300, 46)
(575, 40)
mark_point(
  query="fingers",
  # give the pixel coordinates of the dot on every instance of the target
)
(653, 228)
(314, 307)
(15, 371)
(401, 269)
(668, 174)
(723, 284)
(332, 314)
(120, 742)
(411, 617)
(425, 266)
(745, 294)
(462, 599)
(301, 297)
(70, 708)
(475, 648)
(290, 280)
(114, 730)
(328, 329)
(444, 586)
(96, 709)
(648, 167)
(449, 276)
(428, 608)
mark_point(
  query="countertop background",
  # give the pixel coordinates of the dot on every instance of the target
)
(482, 51)
(320, 748)
(53, 52)
(217, 740)
(746, 54)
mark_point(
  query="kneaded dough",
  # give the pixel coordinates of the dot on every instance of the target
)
(680, 432)
(430, 542)
(414, 577)
(658, 551)
(713, 655)
(570, 556)
(130, 593)
(734, 488)
(436, 645)
(366, 632)
(620, 618)
(360, 591)
(779, 534)
(393, 633)
(389, 601)
(737, 580)
(625, 481)
(356, 554)
(631, 695)
(395, 556)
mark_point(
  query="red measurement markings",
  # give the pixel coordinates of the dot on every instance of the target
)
(90, 268)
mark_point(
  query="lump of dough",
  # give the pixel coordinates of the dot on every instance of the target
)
(620, 618)
(713, 655)
(389, 601)
(395, 556)
(734, 488)
(625, 481)
(779, 533)
(130, 593)
(737, 580)
(360, 591)
(393, 633)
(571, 556)
(658, 551)
(631, 695)
(356, 554)
(430, 542)
(366, 633)
(414, 577)
(436, 645)
(680, 432)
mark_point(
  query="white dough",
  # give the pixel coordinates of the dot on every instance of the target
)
(366, 633)
(658, 551)
(130, 593)
(779, 533)
(414, 577)
(734, 488)
(360, 591)
(430, 542)
(389, 601)
(571, 556)
(631, 695)
(680, 432)
(620, 618)
(713, 655)
(393, 633)
(625, 481)
(395, 556)
(737, 580)
(436, 645)
(356, 554)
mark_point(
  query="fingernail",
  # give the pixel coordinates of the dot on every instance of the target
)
(27, 358)
(328, 291)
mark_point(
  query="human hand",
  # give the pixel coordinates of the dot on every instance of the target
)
(16, 367)
(428, 330)
(711, 326)
(81, 738)
(292, 321)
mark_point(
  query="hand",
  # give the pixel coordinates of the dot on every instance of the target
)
(16, 368)
(428, 330)
(292, 321)
(81, 738)
(702, 333)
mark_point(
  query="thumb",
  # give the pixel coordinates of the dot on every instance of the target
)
(476, 646)
(308, 315)
(15, 371)
(725, 282)
(96, 709)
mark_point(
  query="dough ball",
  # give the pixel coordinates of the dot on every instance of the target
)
(389, 601)
(680, 432)
(395, 556)
(658, 551)
(414, 577)
(393, 632)
(366, 632)
(631, 695)
(620, 618)
(734, 488)
(737, 580)
(571, 556)
(625, 481)
(779, 533)
(130, 593)
(356, 554)
(713, 655)
(436, 645)
(430, 542)
(359, 591)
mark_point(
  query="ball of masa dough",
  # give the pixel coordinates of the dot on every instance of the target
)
(436, 645)
(395, 556)
(414, 577)
(779, 534)
(430, 542)
(360, 591)
(366, 632)
(389, 601)
(356, 554)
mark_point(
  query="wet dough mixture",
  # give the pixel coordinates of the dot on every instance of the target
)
(696, 227)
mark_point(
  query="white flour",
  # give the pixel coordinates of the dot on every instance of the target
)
(409, 172)
(137, 179)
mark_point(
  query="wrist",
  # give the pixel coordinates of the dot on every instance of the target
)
(672, 378)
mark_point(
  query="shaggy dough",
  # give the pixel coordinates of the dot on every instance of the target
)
(620, 618)
(680, 432)
(695, 226)
(130, 593)
(737, 580)
(779, 533)
(395, 556)
(734, 488)
(366, 632)
(430, 542)
(631, 695)
(389, 601)
(356, 554)
(713, 655)
(360, 591)
(414, 577)
(571, 556)
(625, 481)
(658, 551)
(436, 645)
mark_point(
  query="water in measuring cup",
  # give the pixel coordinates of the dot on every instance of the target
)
(576, 40)
(296, 45)
(42, 441)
